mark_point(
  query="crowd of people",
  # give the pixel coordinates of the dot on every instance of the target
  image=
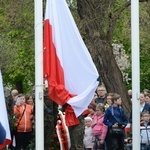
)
(106, 122)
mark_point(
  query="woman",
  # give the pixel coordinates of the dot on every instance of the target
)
(108, 100)
(29, 100)
(24, 119)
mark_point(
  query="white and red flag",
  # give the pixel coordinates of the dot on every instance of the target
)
(3, 115)
(68, 66)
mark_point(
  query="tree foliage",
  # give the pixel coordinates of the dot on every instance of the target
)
(17, 43)
(122, 35)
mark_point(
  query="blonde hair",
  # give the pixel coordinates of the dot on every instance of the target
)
(101, 107)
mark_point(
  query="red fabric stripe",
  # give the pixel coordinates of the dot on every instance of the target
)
(7, 142)
(54, 74)
(53, 70)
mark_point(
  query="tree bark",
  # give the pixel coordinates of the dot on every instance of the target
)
(19, 86)
(77, 134)
(50, 120)
(98, 24)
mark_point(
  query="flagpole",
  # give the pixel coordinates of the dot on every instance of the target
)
(39, 124)
(135, 74)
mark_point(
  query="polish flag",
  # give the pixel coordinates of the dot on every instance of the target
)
(68, 66)
(3, 115)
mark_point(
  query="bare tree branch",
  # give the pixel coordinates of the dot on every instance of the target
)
(124, 6)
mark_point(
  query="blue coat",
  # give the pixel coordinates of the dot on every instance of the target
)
(2, 134)
(114, 115)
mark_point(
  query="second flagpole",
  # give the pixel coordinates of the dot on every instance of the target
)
(39, 104)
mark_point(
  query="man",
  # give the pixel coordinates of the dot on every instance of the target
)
(130, 93)
(101, 92)
(143, 106)
(10, 109)
(2, 134)
(14, 94)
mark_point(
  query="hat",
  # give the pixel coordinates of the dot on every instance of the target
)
(88, 118)
(92, 105)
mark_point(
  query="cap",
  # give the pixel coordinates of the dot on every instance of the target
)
(88, 118)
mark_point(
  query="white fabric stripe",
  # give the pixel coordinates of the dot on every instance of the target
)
(79, 70)
(80, 102)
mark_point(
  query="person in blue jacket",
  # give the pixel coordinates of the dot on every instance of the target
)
(2, 134)
(115, 118)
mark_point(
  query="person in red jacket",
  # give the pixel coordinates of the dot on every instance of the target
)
(24, 122)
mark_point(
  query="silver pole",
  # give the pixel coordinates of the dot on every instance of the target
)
(135, 74)
(39, 126)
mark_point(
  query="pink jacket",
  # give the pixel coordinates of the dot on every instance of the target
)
(92, 116)
(99, 128)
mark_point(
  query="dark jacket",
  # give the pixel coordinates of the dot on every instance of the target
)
(146, 108)
(115, 115)
(2, 134)
(100, 100)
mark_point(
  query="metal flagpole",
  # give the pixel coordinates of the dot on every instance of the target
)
(135, 74)
(39, 124)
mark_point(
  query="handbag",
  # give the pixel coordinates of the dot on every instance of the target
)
(116, 131)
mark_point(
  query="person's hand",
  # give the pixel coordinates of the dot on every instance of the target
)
(115, 125)
(17, 103)
(95, 122)
(123, 126)
(101, 141)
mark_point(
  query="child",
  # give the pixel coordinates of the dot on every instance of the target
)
(108, 100)
(91, 108)
(87, 140)
(145, 131)
(115, 118)
(99, 129)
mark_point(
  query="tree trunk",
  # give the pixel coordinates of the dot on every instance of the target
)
(50, 120)
(19, 86)
(77, 134)
(98, 25)
(110, 72)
